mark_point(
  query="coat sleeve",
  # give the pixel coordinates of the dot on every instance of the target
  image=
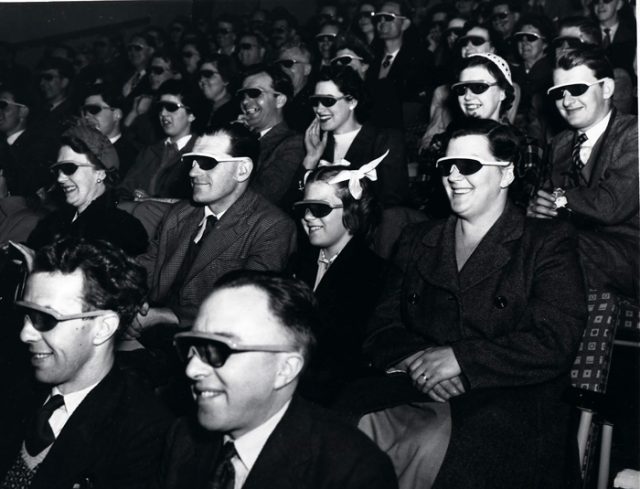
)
(273, 245)
(393, 174)
(543, 343)
(388, 339)
(274, 180)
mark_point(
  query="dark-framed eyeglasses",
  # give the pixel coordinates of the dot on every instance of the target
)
(325, 37)
(317, 208)
(477, 87)
(224, 32)
(94, 109)
(68, 168)
(47, 76)
(45, 318)
(500, 16)
(344, 60)
(206, 162)
(208, 74)
(527, 36)
(170, 106)
(5, 104)
(596, 2)
(215, 349)
(386, 16)
(575, 89)
(289, 63)
(454, 30)
(157, 70)
(569, 42)
(365, 15)
(326, 100)
(466, 165)
(474, 40)
(247, 46)
(135, 47)
(254, 92)
(189, 54)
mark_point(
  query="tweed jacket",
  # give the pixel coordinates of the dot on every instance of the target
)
(310, 448)
(252, 234)
(113, 439)
(609, 202)
(513, 316)
(281, 155)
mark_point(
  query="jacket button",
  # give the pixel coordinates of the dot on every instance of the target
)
(413, 298)
(500, 302)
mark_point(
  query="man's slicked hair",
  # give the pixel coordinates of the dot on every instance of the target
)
(291, 302)
(112, 279)
(592, 58)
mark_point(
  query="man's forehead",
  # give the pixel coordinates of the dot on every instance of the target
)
(294, 53)
(391, 7)
(170, 97)
(501, 7)
(259, 80)
(94, 99)
(581, 73)
(55, 289)
(217, 144)
(571, 31)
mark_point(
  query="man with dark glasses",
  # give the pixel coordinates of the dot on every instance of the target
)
(251, 49)
(295, 60)
(244, 357)
(594, 172)
(88, 424)
(226, 226)
(157, 172)
(55, 76)
(264, 94)
(103, 108)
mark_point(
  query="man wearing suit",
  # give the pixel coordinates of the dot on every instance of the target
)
(227, 227)
(264, 94)
(618, 33)
(594, 173)
(92, 425)
(398, 73)
(243, 359)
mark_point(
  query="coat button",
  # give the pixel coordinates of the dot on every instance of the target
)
(413, 298)
(500, 302)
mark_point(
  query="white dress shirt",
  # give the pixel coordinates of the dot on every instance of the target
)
(593, 135)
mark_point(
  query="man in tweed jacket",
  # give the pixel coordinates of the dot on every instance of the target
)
(248, 232)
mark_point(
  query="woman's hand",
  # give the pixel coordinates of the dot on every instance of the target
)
(314, 144)
(446, 389)
(433, 366)
(142, 104)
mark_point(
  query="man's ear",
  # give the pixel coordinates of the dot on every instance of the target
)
(64, 81)
(106, 328)
(608, 88)
(117, 114)
(243, 172)
(281, 100)
(307, 69)
(289, 368)
(405, 24)
(24, 112)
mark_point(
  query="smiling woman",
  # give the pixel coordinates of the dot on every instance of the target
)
(86, 170)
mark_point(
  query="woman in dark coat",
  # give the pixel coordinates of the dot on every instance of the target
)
(484, 313)
(86, 169)
(344, 273)
(339, 133)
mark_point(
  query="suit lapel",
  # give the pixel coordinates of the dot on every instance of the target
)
(76, 447)
(436, 260)
(291, 436)
(224, 234)
(596, 162)
(493, 252)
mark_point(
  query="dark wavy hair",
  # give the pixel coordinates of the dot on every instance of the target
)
(349, 83)
(592, 58)
(490, 66)
(227, 67)
(360, 216)
(504, 142)
(112, 279)
(291, 301)
(280, 81)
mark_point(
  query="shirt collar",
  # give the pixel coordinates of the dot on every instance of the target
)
(250, 444)
(208, 212)
(393, 54)
(73, 399)
(12, 139)
(597, 130)
(115, 138)
(180, 143)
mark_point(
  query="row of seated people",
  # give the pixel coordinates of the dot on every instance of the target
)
(473, 403)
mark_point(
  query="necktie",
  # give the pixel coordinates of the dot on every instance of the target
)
(40, 435)
(225, 475)
(384, 68)
(606, 40)
(192, 252)
(575, 152)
